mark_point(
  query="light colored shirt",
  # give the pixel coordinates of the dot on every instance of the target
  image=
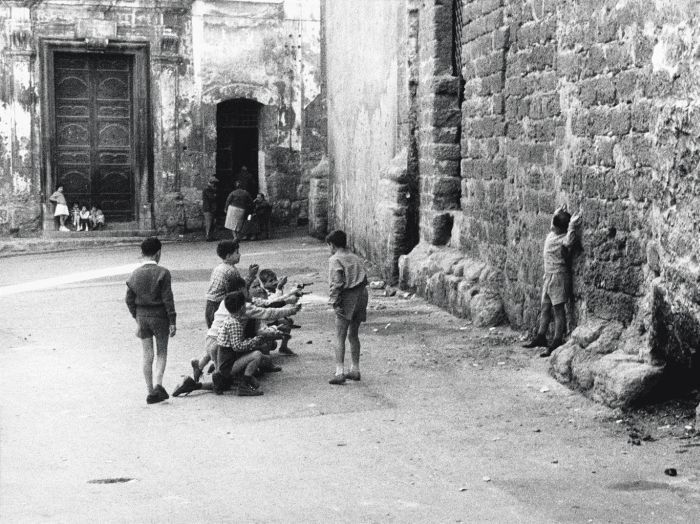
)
(58, 197)
(345, 271)
(554, 251)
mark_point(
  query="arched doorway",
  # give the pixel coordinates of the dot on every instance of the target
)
(237, 144)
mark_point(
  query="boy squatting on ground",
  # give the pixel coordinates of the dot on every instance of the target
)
(263, 344)
(348, 296)
(557, 280)
(149, 297)
(220, 284)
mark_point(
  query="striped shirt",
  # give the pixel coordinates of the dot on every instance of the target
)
(231, 335)
(221, 275)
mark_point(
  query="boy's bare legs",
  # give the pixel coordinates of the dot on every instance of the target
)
(161, 357)
(148, 362)
(540, 339)
(341, 332)
(559, 324)
(545, 319)
(559, 329)
(248, 364)
(354, 339)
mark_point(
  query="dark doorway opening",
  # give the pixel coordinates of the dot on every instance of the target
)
(237, 144)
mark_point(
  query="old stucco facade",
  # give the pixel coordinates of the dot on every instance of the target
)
(193, 89)
(501, 110)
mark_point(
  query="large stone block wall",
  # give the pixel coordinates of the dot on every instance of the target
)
(438, 123)
(200, 54)
(367, 122)
(593, 104)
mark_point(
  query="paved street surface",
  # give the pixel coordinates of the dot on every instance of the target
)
(449, 424)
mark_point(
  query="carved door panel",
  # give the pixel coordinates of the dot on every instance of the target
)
(93, 131)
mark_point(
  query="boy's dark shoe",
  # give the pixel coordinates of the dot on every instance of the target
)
(196, 372)
(250, 381)
(353, 375)
(337, 380)
(554, 345)
(540, 341)
(152, 398)
(245, 389)
(188, 386)
(288, 352)
(160, 391)
(219, 384)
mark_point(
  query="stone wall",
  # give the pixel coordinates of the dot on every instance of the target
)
(367, 90)
(199, 54)
(593, 104)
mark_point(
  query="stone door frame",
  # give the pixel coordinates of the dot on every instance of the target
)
(142, 128)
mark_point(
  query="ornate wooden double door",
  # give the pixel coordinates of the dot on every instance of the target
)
(93, 111)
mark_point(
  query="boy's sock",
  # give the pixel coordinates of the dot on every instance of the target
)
(196, 372)
(353, 374)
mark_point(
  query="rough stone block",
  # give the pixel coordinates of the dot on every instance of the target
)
(486, 309)
(560, 362)
(621, 380)
(587, 333)
(441, 229)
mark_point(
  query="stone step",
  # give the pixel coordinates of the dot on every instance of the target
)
(102, 233)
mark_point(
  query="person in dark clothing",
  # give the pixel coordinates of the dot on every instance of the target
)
(238, 204)
(209, 208)
(149, 297)
(247, 180)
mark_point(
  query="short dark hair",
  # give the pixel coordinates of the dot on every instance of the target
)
(150, 246)
(234, 301)
(561, 219)
(226, 247)
(267, 275)
(338, 238)
(235, 283)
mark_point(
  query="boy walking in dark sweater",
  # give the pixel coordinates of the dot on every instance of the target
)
(149, 298)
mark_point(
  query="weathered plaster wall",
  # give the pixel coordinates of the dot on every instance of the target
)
(201, 53)
(20, 184)
(268, 52)
(367, 113)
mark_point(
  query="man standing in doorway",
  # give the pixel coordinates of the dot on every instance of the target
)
(247, 181)
(209, 208)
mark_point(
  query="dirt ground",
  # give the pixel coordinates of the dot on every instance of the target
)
(450, 423)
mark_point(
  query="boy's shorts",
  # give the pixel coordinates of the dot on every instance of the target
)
(148, 327)
(352, 304)
(555, 289)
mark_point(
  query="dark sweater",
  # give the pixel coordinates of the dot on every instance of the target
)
(240, 198)
(148, 293)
